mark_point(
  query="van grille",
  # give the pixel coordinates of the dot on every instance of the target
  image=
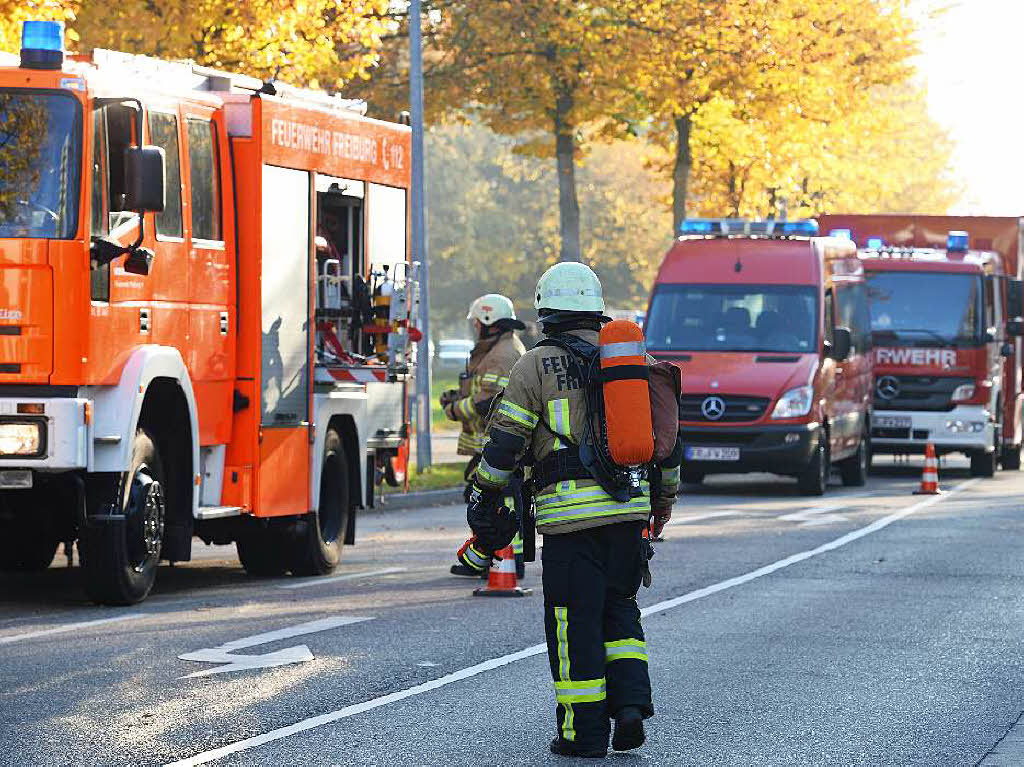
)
(737, 408)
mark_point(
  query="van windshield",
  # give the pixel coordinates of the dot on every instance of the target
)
(924, 308)
(757, 318)
(40, 159)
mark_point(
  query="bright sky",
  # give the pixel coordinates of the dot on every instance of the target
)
(972, 63)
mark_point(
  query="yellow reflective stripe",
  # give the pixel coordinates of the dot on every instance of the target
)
(465, 409)
(592, 512)
(562, 638)
(490, 474)
(625, 648)
(518, 414)
(586, 691)
(670, 476)
(489, 378)
(517, 544)
(475, 559)
(558, 417)
(503, 382)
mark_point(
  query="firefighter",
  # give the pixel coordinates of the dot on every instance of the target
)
(497, 349)
(595, 556)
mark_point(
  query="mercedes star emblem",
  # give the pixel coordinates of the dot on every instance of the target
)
(887, 387)
(713, 408)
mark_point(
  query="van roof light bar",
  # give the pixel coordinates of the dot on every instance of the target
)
(739, 227)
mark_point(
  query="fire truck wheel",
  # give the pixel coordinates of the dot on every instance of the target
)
(319, 536)
(983, 464)
(261, 551)
(120, 549)
(1011, 458)
(854, 470)
(813, 480)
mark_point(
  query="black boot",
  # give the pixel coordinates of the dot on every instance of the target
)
(629, 729)
(564, 747)
(461, 569)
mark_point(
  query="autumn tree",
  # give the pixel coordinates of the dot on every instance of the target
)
(14, 12)
(813, 61)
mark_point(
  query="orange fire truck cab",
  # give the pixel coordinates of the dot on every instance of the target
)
(768, 323)
(205, 315)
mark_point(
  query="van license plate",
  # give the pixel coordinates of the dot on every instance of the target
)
(891, 421)
(712, 453)
(15, 479)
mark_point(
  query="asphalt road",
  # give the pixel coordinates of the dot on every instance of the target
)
(870, 626)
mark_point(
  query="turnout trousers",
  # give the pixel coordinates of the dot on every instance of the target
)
(596, 645)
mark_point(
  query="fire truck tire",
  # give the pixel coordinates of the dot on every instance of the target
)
(120, 546)
(1011, 458)
(813, 480)
(983, 464)
(854, 470)
(261, 551)
(319, 537)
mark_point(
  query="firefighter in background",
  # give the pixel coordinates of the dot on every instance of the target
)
(497, 349)
(595, 555)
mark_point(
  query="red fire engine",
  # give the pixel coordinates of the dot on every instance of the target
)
(945, 300)
(205, 315)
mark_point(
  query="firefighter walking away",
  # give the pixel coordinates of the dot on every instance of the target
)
(564, 411)
(493, 321)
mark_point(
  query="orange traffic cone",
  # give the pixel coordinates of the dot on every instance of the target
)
(501, 581)
(930, 475)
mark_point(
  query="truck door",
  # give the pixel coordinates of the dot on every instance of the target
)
(211, 284)
(853, 375)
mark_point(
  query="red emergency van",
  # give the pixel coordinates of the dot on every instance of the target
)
(769, 325)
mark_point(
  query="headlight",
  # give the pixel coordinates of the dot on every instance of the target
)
(21, 438)
(794, 403)
(963, 392)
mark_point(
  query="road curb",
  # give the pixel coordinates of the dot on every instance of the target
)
(420, 499)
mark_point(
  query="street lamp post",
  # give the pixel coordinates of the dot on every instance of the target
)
(419, 237)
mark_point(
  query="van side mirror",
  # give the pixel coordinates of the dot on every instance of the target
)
(842, 344)
(144, 178)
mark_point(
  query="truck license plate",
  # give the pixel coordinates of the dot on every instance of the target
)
(712, 453)
(15, 479)
(891, 421)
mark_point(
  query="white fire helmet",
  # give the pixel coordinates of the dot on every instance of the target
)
(491, 308)
(569, 287)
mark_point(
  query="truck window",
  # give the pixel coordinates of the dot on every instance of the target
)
(853, 314)
(204, 173)
(119, 125)
(992, 305)
(163, 132)
(99, 224)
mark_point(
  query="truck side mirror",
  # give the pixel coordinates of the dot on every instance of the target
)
(144, 178)
(1014, 298)
(842, 344)
(1015, 327)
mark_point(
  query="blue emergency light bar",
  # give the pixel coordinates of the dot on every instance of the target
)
(875, 243)
(725, 227)
(957, 242)
(842, 234)
(42, 44)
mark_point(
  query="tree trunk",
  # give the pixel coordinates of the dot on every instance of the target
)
(565, 155)
(681, 171)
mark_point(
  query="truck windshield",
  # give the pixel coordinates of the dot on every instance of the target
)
(40, 144)
(760, 318)
(925, 308)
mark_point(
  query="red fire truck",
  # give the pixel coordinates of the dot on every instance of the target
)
(206, 305)
(768, 323)
(945, 300)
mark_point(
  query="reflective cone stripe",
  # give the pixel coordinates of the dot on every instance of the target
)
(627, 396)
(930, 474)
(501, 581)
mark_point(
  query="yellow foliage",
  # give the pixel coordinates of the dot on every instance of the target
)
(14, 12)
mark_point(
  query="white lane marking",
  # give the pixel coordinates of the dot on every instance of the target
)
(225, 654)
(67, 627)
(335, 578)
(699, 517)
(538, 649)
(818, 515)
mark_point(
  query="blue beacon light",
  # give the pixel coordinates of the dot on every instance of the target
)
(42, 44)
(808, 228)
(957, 242)
(696, 226)
(875, 243)
(842, 234)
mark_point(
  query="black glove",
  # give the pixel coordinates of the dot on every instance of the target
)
(493, 524)
(448, 397)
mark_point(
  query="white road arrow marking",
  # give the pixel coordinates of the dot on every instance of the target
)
(817, 515)
(225, 653)
(699, 517)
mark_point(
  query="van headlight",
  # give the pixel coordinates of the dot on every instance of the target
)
(21, 438)
(794, 403)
